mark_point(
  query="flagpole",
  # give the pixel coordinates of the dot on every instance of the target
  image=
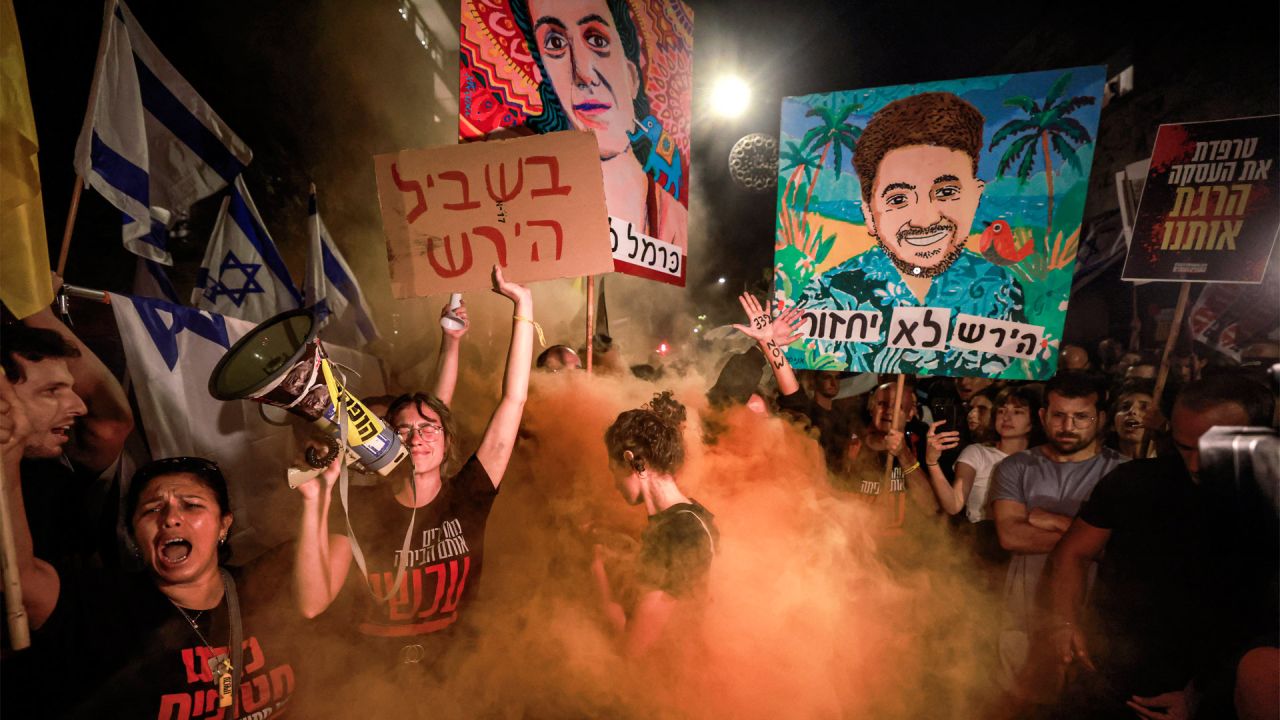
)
(1162, 376)
(71, 222)
(16, 614)
(893, 425)
(591, 318)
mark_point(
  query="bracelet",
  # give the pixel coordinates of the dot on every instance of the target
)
(911, 468)
(929, 464)
(542, 340)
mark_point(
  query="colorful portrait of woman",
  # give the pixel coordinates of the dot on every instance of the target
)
(594, 65)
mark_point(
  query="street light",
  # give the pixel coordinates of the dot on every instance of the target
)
(730, 96)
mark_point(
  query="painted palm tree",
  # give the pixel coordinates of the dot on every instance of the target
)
(1049, 123)
(835, 133)
(798, 158)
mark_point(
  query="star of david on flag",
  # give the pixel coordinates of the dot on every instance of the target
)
(243, 275)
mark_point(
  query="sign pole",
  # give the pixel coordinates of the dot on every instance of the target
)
(71, 223)
(1163, 375)
(591, 319)
(19, 631)
(888, 460)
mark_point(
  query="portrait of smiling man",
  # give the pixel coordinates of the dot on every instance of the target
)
(917, 165)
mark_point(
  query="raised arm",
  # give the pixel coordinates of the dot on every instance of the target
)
(1063, 591)
(321, 560)
(500, 436)
(100, 434)
(447, 364)
(40, 583)
(773, 336)
(951, 496)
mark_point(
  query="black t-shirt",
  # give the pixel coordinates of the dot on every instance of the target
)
(1161, 607)
(115, 647)
(676, 549)
(71, 513)
(832, 425)
(446, 550)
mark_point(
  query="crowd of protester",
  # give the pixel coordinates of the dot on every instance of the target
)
(1132, 583)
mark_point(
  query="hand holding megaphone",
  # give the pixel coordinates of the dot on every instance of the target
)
(453, 317)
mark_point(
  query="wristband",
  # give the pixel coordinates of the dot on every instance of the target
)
(911, 468)
(542, 340)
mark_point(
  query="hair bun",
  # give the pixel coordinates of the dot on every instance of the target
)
(667, 408)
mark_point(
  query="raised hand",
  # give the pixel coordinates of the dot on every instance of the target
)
(459, 312)
(782, 330)
(515, 291)
(14, 425)
(939, 442)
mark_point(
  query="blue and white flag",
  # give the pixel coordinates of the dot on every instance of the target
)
(151, 280)
(331, 289)
(243, 275)
(149, 144)
(171, 350)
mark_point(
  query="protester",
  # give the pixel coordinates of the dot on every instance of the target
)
(1130, 406)
(80, 418)
(557, 358)
(160, 640)
(869, 454)
(646, 451)
(1074, 357)
(1015, 425)
(1169, 614)
(1036, 493)
(443, 518)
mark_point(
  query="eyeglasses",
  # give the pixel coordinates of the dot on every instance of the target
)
(423, 430)
(1080, 420)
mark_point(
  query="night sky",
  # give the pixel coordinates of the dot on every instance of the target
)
(317, 88)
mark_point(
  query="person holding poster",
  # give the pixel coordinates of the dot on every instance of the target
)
(409, 625)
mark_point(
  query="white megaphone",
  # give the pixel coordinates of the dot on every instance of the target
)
(282, 363)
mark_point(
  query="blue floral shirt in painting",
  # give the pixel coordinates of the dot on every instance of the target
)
(870, 282)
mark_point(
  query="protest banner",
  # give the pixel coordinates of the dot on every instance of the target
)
(1210, 209)
(519, 67)
(932, 229)
(533, 205)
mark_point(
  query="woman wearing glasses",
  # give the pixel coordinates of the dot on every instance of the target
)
(421, 537)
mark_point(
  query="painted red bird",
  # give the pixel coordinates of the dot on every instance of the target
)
(999, 245)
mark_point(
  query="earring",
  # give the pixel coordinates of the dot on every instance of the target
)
(222, 540)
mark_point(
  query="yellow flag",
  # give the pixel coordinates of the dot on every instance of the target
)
(24, 252)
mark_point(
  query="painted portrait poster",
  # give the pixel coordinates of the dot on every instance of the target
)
(932, 229)
(1210, 209)
(620, 68)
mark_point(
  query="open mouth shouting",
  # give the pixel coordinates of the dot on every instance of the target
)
(173, 551)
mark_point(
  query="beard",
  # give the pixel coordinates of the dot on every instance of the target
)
(910, 269)
(1067, 444)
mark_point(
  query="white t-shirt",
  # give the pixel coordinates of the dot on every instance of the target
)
(982, 458)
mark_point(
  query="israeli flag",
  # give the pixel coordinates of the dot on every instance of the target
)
(150, 280)
(243, 275)
(332, 291)
(149, 144)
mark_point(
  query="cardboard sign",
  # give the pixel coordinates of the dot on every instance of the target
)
(521, 64)
(533, 205)
(923, 229)
(1210, 210)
